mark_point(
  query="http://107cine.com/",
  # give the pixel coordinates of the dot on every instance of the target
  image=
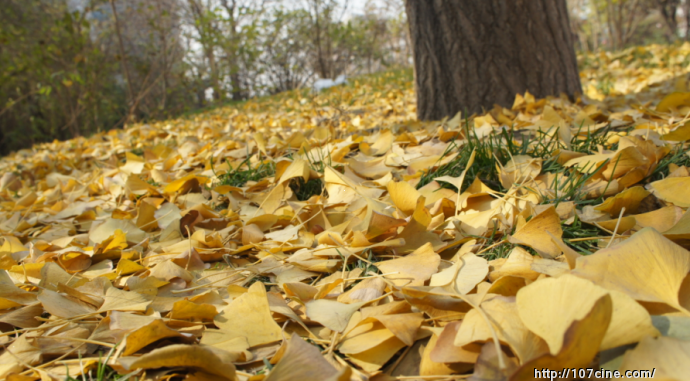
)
(591, 373)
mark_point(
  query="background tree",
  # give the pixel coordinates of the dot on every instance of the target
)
(464, 62)
(51, 74)
(617, 24)
(285, 59)
(669, 10)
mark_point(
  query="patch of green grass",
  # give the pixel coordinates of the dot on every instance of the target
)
(367, 266)
(605, 85)
(305, 190)
(679, 156)
(573, 233)
(318, 164)
(488, 150)
(569, 188)
(498, 245)
(364, 265)
(590, 143)
(238, 177)
(500, 251)
(153, 182)
(313, 187)
(499, 147)
(103, 372)
(258, 278)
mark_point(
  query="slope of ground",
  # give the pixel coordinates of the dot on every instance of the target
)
(333, 237)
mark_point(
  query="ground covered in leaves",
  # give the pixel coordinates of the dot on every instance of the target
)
(333, 237)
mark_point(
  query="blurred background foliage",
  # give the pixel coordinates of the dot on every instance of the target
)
(74, 67)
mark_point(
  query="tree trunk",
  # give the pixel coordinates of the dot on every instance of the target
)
(237, 93)
(686, 12)
(668, 10)
(472, 54)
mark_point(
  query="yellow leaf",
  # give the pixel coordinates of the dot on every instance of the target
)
(519, 170)
(302, 361)
(403, 326)
(185, 309)
(24, 317)
(549, 306)
(535, 233)
(21, 351)
(371, 350)
(623, 162)
(646, 255)
(667, 357)
(463, 275)
(416, 234)
(680, 134)
(413, 269)
(501, 312)
(148, 334)
(673, 101)
(227, 342)
(146, 219)
(251, 234)
(12, 294)
(134, 164)
(260, 142)
(331, 314)
(493, 364)
(169, 270)
(187, 184)
(675, 190)
(518, 264)
(120, 300)
(108, 228)
(404, 196)
(250, 316)
(382, 143)
(118, 242)
(63, 306)
(12, 245)
(580, 342)
(10, 181)
(126, 267)
(429, 367)
(629, 199)
(445, 350)
(180, 355)
(296, 169)
(458, 181)
(661, 219)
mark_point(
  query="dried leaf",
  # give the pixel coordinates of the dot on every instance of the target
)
(180, 355)
(302, 361)
(646, 255)
(249, 316)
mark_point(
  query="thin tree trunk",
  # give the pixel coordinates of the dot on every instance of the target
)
(206, 40)
(472, 54)
(686, 13)
(669, 9)
(211, 56)
(231, 51)
(237, 92)
(323, 71)
(123, 62)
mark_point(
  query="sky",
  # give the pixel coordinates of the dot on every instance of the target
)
(356, 6)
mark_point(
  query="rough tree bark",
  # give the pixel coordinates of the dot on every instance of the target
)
(472, 54)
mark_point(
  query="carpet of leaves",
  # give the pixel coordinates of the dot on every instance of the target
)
(334, 237)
